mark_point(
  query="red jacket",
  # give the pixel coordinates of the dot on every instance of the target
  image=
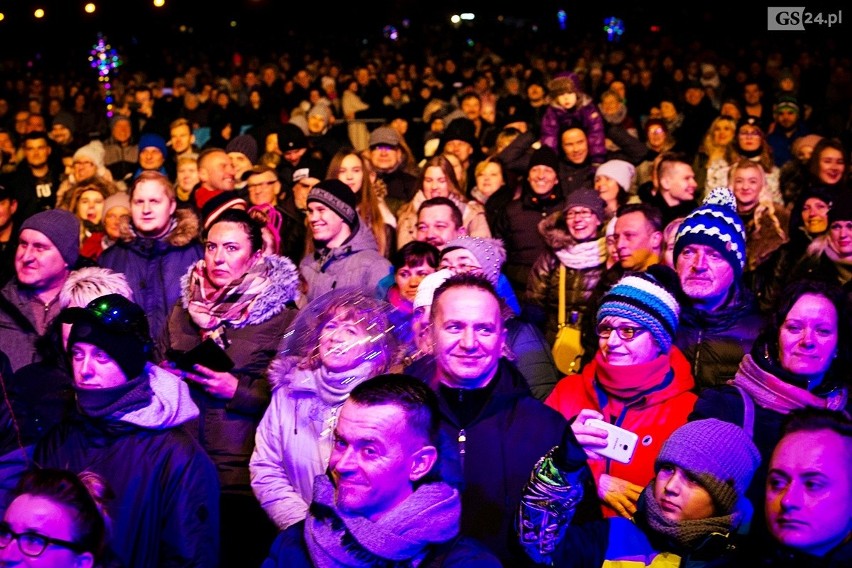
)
(653, 416)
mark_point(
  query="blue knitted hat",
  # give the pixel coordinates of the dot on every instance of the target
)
(715, 223)
(648, 299)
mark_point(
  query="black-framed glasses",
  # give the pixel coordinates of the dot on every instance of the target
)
(31, 543)
(579, 214)
(625, 332)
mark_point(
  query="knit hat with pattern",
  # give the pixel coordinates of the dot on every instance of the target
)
(338, 197)
(647, 298)
(715, 223)
(720, 455)
(489, 252)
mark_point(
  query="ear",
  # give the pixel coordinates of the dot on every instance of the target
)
(422, 462)
(462, 231)
(656, 239)
(84, 560)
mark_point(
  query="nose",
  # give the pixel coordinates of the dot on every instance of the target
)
(613, 340)
(11, 555)
(346, 463)
(218, 255)
(26, 253)
(807, 339)
(791, 496)
(468, 339)
(700, 262)
(672, 485)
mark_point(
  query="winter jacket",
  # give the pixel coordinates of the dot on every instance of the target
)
(356, 263)
(166, 507)
(542, 296)
(154, 267)
(293, 444)
(473, 219)
(518, 228)
(18, 333)
(715, 342)
(226, 428)
(782, 557)
(653, 415)
(494, 453)
(612, 543)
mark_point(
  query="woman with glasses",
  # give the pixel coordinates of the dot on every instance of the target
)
(750, 144)
(575, 246)
(55, 520)
(637, 380)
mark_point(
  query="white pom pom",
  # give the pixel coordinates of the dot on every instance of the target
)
(721, 196)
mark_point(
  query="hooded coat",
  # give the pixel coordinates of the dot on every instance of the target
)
(153, 267)
(226, 428)
(166, 509)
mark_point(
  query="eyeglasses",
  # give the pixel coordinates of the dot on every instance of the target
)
(578, 214)
(625, 332)
(31, 543)
(746, 134)
(261, 184)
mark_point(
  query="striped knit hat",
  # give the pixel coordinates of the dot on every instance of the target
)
(715, 223)
(647, 298)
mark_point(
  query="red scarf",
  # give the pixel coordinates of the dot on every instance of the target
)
(627, 381)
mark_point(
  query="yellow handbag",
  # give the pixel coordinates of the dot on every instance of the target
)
(568, 348)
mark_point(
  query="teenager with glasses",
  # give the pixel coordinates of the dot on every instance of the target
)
(637, 380)
(56, 520)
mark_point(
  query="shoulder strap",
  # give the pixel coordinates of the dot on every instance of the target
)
(561, 315)
(748, 412)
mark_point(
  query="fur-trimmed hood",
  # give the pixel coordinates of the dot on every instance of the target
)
(283, 290)
(554, 230)
(185, 228)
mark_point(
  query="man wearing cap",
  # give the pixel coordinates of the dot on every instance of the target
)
(460, 140)
(785, 128)
(128, 431)
(217, 174)
(48, 249)
(264, 192)
(152, 154)
(389, 160)
(719, 318)
(62, 130)
(344, 252)
(242, 150)
(518, 225)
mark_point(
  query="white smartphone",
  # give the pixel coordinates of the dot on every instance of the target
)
(620, 443)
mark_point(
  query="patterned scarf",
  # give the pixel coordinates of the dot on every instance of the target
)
(684, 536)
(400, 538)
(770, 392)
(583, 255)
(212, 308)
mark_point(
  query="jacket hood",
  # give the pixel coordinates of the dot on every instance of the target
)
(186, 229)
(171, 404)
(283, 289)
(554, 230)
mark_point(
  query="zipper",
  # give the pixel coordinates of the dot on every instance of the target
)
(462, 440)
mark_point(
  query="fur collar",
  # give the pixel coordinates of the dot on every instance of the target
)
(187, 229)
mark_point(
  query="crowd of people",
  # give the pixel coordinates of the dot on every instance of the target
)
(311, 315)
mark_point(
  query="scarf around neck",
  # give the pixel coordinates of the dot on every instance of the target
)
(115, 401)
(211, 307)
(627, 381)
(334, 387)
(684, 536)
(428, 516)
(771, 392)
(583, 255)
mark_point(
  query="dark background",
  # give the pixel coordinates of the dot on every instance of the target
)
(152, 39)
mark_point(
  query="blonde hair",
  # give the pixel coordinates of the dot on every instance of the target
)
(84, 285)
(765, 204)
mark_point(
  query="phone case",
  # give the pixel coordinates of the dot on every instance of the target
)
(206, 353)
(621, 443)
